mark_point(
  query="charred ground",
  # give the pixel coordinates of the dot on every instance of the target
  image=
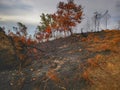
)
(88, 61)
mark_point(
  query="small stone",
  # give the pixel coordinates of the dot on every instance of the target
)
(11, 83)
(13, 74)
(34, 79)
(31, 69)
(38, 70)
(80, 50)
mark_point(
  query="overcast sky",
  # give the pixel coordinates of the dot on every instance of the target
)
(28, 11)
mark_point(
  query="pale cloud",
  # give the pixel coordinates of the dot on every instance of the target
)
(90, 6)
(7, 2)
(29, 7)
(29, 11)
(13, 7)
(25, 19)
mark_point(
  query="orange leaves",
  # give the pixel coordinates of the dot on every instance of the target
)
(19, 39)
(21, 46)
(67, 15)
(48, 30)
(92, 62)
(34, 50)
(60, 12)
(61, 5)
(72, 24)
(85, 75)
(30, 42)
(54, 25)
(51, 74)
(23, 39)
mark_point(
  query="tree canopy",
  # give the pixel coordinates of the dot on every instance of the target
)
(68, 15)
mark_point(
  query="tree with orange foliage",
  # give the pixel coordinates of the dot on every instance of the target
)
(68, 15)
(20, 49)
(24, 48)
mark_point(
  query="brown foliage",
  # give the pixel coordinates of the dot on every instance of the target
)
(51, 74)
(67, 16)
(22, 47)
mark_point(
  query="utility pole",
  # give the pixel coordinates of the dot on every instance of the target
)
(106, 16)
(97, 17)
(119, 25)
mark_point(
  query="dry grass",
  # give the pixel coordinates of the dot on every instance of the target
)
(78, 63)
(106, 75)
(103, 70)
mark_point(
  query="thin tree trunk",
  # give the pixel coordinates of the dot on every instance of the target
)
(71, 32)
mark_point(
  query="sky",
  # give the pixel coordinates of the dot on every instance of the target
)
(29, 11)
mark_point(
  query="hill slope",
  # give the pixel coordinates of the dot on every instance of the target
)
(72, 63)
(7, 55)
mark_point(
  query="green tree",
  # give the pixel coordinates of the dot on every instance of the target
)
(46, 21)
(22, 29)
(44, 29)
